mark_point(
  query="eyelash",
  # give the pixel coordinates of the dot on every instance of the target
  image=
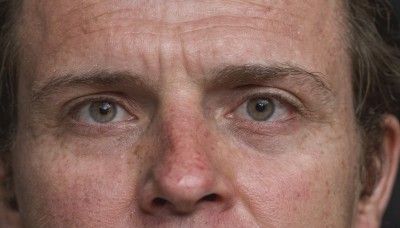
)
(292, 103)
(72, 110)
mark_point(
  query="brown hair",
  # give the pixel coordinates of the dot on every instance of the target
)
(373, 48)
(8, 91)
(372, 45)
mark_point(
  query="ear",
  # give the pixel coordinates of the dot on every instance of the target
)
(9, 216)
(371, 208)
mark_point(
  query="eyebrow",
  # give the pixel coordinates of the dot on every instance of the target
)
(287, 75)
(246, 74)
(91, 78)
(232, 75)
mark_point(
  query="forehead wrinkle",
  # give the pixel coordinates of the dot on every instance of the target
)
(268, 8)
(84, 21)
(229, 23)
(274, 26)
(84, 25)
(79, 8)
(87, 20)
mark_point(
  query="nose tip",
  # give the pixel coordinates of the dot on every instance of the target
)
(184, 206)
(169, 195)
(186, 202)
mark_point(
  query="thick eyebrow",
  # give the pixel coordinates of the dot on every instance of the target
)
(238, 75)
(232, 75)
(294, 78)
(91, 78)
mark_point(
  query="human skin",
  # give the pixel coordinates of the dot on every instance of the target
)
(183, 151)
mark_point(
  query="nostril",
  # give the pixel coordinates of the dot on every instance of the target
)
(210, 198)
(159, 202)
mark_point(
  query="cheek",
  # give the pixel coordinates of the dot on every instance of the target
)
(289, 195)
(315, 178)
(285, 193)
(49, 177)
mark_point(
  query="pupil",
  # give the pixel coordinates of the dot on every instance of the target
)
(260, 106)
(104, 108)
(102, 111)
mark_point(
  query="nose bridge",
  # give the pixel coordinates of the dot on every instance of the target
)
(185, 139)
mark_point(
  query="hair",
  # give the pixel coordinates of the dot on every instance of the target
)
(372, 45)
(8, 92)
(374, 50)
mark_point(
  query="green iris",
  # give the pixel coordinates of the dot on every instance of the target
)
(260, 109)
(102, 111)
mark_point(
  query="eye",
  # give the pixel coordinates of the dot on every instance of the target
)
(263, 109)
(101, 112)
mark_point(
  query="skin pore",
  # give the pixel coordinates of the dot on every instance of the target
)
(183, 150)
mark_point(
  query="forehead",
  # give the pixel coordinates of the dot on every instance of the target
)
(195, 36)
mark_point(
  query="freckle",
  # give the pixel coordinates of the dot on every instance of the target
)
(137, 149)
(86, 200)
(343, 164)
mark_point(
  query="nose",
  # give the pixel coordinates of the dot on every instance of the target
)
(185, 177)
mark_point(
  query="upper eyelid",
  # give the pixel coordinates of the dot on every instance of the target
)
(274, 93)
(280, 97)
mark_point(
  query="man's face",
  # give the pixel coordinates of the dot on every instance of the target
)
(185, 113)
